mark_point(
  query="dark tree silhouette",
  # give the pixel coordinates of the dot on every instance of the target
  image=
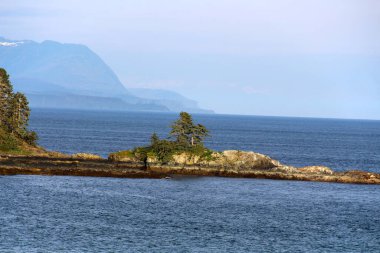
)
(186, 132)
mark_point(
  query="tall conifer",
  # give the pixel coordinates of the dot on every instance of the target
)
(14, 111)
(6, 92)
(186, 133)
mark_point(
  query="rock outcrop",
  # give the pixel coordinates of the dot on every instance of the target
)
(235, 163)
(229, 159)
(129, 164)
(316, 169)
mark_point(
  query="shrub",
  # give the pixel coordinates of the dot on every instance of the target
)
(31, 138)
(8, 142)
(141, 153)
(164, 150)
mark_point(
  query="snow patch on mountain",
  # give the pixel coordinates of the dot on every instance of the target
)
(10, 44)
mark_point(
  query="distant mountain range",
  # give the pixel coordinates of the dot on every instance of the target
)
(57, 75)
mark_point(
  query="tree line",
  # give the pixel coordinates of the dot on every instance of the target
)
(14, 111)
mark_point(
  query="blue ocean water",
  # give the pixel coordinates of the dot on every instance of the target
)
(81, 214)
(78, 214)
(339, 144)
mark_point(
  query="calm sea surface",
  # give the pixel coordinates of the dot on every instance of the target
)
(78, 214)
(339, 144)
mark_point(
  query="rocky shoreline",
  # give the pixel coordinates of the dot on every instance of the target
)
(235, 164)
(68, 166)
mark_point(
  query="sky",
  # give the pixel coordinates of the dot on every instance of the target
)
(315, 58)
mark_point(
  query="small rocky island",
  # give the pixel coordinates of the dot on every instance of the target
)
(182, 154)
(230, 163)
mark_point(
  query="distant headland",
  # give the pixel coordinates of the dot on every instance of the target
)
(72, 76)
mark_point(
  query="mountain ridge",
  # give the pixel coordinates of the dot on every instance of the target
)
(63, 70)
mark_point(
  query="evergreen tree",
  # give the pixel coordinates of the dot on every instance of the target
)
(182, 128)
(186, 133)
(14, 111)
(6, 92)
(187, 136)
(199, 133)
(19, 112)
(154, 139)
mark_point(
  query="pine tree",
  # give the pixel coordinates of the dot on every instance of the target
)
(14, 111)
(19, 112)
(186, 133)
(181, 128)
(6, 92)
(199, 133)
(154, 139)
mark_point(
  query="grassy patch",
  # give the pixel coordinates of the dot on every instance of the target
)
(120, 155)
(86, 156)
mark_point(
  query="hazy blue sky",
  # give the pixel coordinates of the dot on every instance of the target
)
(269, 57)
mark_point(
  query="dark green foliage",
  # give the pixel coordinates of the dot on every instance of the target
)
(19, 112)
(31, 138)
(164, 149)
(186, 133)
(14, 114)
(154, 139)
(207, 154)
(187, 138)
(198, 134)
(8, 142)
(6, 93)
(141, 153)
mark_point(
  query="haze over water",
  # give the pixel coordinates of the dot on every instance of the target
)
(316, 58)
